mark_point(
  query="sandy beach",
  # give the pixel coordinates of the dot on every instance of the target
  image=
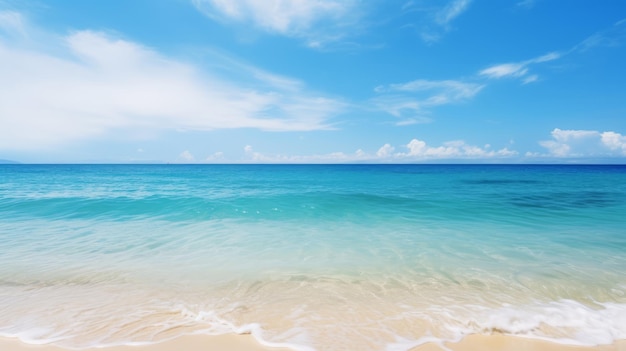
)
(508, 343)
(231, 342)
(247, 343)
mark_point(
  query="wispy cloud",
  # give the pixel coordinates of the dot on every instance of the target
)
(12, 22)
(526, 3)
(452, 11)
(585, 143)
(613, 36)
(318, 22)
(505, 70)
(91, 84)
(518, 69)
(438, 18)
(411, 102)
(530, 79)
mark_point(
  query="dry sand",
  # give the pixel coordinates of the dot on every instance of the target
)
(508, 343)
(229, 342)
(247, 343)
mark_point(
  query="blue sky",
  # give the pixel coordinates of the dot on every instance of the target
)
(317, 81)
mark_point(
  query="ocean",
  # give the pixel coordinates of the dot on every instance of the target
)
(312, 257)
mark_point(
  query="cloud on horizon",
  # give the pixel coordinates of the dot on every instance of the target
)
(584, 143)
(565, 144)
(415, 151)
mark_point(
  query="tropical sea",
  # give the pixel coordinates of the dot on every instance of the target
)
(312, 257)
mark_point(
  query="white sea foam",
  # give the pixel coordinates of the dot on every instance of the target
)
(563, 321)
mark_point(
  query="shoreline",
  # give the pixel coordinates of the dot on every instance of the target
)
(199, 342)
(246, 342)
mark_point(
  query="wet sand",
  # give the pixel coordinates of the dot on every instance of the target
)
(248, 343)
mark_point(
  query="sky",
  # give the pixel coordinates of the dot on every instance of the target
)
(313, 81)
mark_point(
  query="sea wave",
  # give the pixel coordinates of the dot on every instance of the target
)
(565, 322)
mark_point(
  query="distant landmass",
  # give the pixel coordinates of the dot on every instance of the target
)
(7, 162)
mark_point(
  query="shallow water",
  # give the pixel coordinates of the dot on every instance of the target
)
(374, 257)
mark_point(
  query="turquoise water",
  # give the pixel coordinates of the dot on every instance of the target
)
(313, 257)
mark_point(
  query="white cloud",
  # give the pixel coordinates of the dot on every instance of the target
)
(413, 120)
(452, 11)
(614, 141)
(585, 143)
(257, 157)
(505, 70)
(518, 69)
(186, 156)
(252, 156)
(90, 84)
(385, 151)
(281, 16)
(411, 101)
(530, 79)
(526, 3)
(317, 21)
(551, 56)
(448, 89)
(12, 22)
(418, 149)
(215, 157)
(439, 19)
(613, 36)
(564, 136)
